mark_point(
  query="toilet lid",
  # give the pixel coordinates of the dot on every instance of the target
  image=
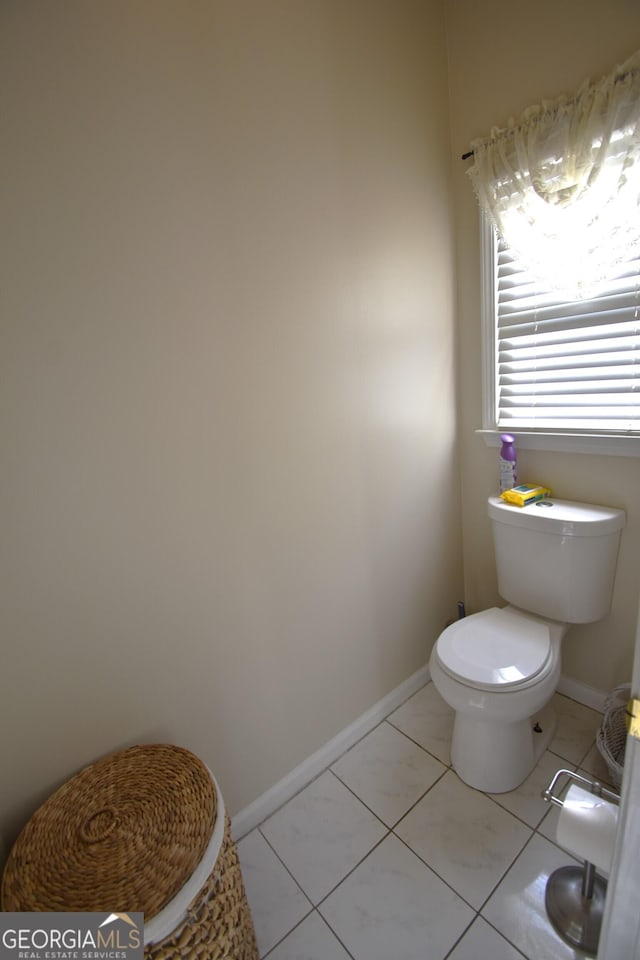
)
(495, 648)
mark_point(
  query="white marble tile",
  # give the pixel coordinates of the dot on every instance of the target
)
(322, 833)
(388, 771)
(392, 907)
(277, 903)
(517, 907)
(482, 942)
(428, 720)
(576, 730)
(312, 940)
(526, 800)
(464, 836)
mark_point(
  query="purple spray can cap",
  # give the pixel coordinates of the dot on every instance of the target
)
(508, 450)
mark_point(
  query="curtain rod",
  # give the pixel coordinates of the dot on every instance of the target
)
(562, 101)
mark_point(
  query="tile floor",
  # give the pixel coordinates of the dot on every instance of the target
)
(387, 855)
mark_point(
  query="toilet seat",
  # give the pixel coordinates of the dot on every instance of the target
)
(497, 649)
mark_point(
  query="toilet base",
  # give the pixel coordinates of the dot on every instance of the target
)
(497, 757)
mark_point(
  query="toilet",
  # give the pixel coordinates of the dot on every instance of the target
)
(498, 669)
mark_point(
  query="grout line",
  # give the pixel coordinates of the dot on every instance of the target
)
(274, 851)
(477, 917)
(420, 799)
(359, 799)
(418, 744)
(263, 956)
(435, 872)
(390, 830)
(461, 937)
(395, 823)
(342, 944)
(510, 867)
(355, 867)
(322, 919)
(359, 863)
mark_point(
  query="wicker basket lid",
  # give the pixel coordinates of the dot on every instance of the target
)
(123, 835)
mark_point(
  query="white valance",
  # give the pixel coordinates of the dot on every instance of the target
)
(562, 183)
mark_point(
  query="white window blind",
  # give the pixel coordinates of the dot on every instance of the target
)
(566, 365)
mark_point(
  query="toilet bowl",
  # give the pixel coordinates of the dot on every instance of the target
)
(500, 668)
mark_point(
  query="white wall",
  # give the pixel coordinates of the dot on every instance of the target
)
(504, 56)
(229, 486)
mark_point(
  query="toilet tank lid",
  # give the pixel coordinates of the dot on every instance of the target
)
(566, 517)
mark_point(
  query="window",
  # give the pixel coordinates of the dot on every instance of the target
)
(558, 366)
(562, 300)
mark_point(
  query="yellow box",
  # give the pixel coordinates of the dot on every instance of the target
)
(525, 493)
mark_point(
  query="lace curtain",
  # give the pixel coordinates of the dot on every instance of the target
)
(562, 184)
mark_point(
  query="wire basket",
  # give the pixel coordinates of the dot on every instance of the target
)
(611, 738)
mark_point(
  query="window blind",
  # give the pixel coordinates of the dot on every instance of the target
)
(567, 365)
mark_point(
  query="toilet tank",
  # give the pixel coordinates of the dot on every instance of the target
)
(557, 558)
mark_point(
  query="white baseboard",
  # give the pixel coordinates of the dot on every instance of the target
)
(582, 692)
(309, 769)
(313, 766)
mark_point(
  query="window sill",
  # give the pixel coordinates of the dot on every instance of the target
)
(608, 446)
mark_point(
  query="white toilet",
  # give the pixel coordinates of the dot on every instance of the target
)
(499, 669)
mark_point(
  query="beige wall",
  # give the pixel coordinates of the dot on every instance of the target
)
(229, 494)
(504, 56)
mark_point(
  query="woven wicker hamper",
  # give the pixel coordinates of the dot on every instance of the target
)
(142, 830)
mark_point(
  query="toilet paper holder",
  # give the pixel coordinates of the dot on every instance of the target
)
(574, 896)
(594, 786)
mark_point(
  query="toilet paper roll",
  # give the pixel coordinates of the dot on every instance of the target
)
(587, 826)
